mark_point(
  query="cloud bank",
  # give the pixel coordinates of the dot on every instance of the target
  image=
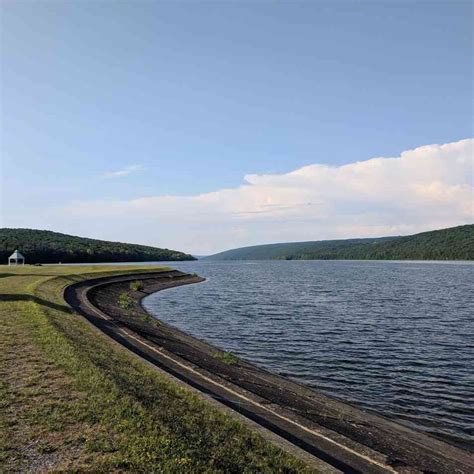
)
(422, 189)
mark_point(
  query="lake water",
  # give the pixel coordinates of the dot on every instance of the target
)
(393, 337)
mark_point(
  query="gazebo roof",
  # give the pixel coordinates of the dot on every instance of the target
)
(16, 255)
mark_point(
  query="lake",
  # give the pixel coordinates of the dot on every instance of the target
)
(396, 338)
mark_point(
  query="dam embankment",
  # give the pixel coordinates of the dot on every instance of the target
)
(339, 434)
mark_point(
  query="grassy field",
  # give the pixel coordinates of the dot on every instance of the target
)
(72, 400)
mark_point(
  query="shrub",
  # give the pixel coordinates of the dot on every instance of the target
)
(136, 285)
(125, 301)
(148, 319)
(227, 357)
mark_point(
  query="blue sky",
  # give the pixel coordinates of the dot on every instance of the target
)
(113, 102)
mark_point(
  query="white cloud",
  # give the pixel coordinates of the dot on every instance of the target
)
(124, 172)
(426, 188)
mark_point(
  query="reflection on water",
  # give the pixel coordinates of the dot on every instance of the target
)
(394, 337)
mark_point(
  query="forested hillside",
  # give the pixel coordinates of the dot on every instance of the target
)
(44, 246)
(456, 243)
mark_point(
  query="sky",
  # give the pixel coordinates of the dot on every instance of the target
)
(208, 125)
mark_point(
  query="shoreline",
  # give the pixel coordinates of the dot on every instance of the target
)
(340, 434)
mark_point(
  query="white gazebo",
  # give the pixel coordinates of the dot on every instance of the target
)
(16, 258)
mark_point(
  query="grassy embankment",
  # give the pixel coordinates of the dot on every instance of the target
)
(72, 400)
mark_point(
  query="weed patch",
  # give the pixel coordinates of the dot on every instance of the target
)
(227, 357)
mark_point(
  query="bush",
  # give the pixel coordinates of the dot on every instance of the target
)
(136, 285)
(125, 301)
(148, 319)
(227, 357)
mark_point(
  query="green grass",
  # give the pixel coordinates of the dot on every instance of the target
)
(226, 357)
(136, 285)
(125, 301)
(72, 400)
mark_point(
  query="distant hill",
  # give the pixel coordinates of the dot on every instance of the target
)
(455, 243)
(44, 246)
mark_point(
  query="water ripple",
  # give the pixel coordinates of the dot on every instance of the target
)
(396, 338)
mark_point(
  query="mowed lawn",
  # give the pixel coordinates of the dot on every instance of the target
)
(72, 400)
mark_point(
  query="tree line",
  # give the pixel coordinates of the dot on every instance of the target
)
(43, 246)
(455, 243)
